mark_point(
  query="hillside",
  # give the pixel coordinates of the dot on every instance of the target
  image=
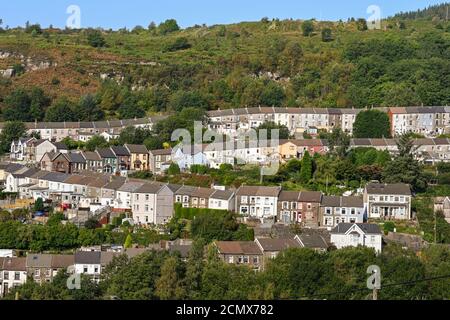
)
(269, 62)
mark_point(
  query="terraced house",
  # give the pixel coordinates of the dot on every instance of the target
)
(338, 209)
(257, 202)
(388, 201)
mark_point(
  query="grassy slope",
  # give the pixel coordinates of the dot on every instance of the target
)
(79, 65)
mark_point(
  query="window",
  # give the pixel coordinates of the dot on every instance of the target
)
(6, 275)
(353, 211)
(85, 269)
(96, 270)
(147, 197)
(328, 210)
(185, 199)
(244, 199)
(255, 260)
(178, 199)
(146, 208)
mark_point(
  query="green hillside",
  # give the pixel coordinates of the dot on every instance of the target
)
(283, 63)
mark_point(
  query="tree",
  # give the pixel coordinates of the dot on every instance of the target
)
(60, 111)
(88, 109)
(25, 105)
(130, 109)
(11, 131)
(270, 126)
(174, 169)
(128, 242)
(372, 124)
(307, 28)
(96, 142)
(361, 24)
(95, 39)
(168, 286)
(168, 26)
(306, 170)
(327, 35)
(404, 168)
(179, 44)
(39, 205)
(339, 143)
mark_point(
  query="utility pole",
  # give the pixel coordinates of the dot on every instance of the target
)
(435, 228)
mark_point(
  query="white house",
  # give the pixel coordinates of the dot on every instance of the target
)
(186, 159)
(152, 203)
(388, 201)
(18, 178)
(18, 149)
(13, 273)
(123, 199)
(257, 202)
(88, 262)
(357, 234)
(222, 200)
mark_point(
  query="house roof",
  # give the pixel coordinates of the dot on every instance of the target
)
(367, 228)
(238, 247)
(106, 153)
(388, 189)
(39, 261)
(90, 155)
(222, 194)
(291, 196)
(120, 151)
(115, 184)
(312, 240)
(161, 152)
(310, 196)
(74, 157)
(14, 264)
(136, 148)
(61, 261)
(107, 257)
(152, 188)
(60, 146)
(131, 186)
(55, 177)
(337, 201)
(259, 191)
(87, 257)
(268, 244)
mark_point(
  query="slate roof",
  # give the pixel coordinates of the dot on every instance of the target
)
(312, 240)
(87, 257)
(136, 148)
(388, 189)
(120, 151)
(368, 228)
(55, 177)
(14, 264)
(91, 156)
(275, 245)
(259, 191)
(106, 153)
(39, 261)
(222, 194)
(238, 247)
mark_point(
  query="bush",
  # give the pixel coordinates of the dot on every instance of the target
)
(178, 44)
(95, 39)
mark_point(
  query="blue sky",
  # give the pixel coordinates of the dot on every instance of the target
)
(119, 13)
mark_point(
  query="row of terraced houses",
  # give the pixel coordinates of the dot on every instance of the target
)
(153, 202)
(428, 121)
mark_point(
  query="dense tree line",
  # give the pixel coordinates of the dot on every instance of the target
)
(294, 274)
